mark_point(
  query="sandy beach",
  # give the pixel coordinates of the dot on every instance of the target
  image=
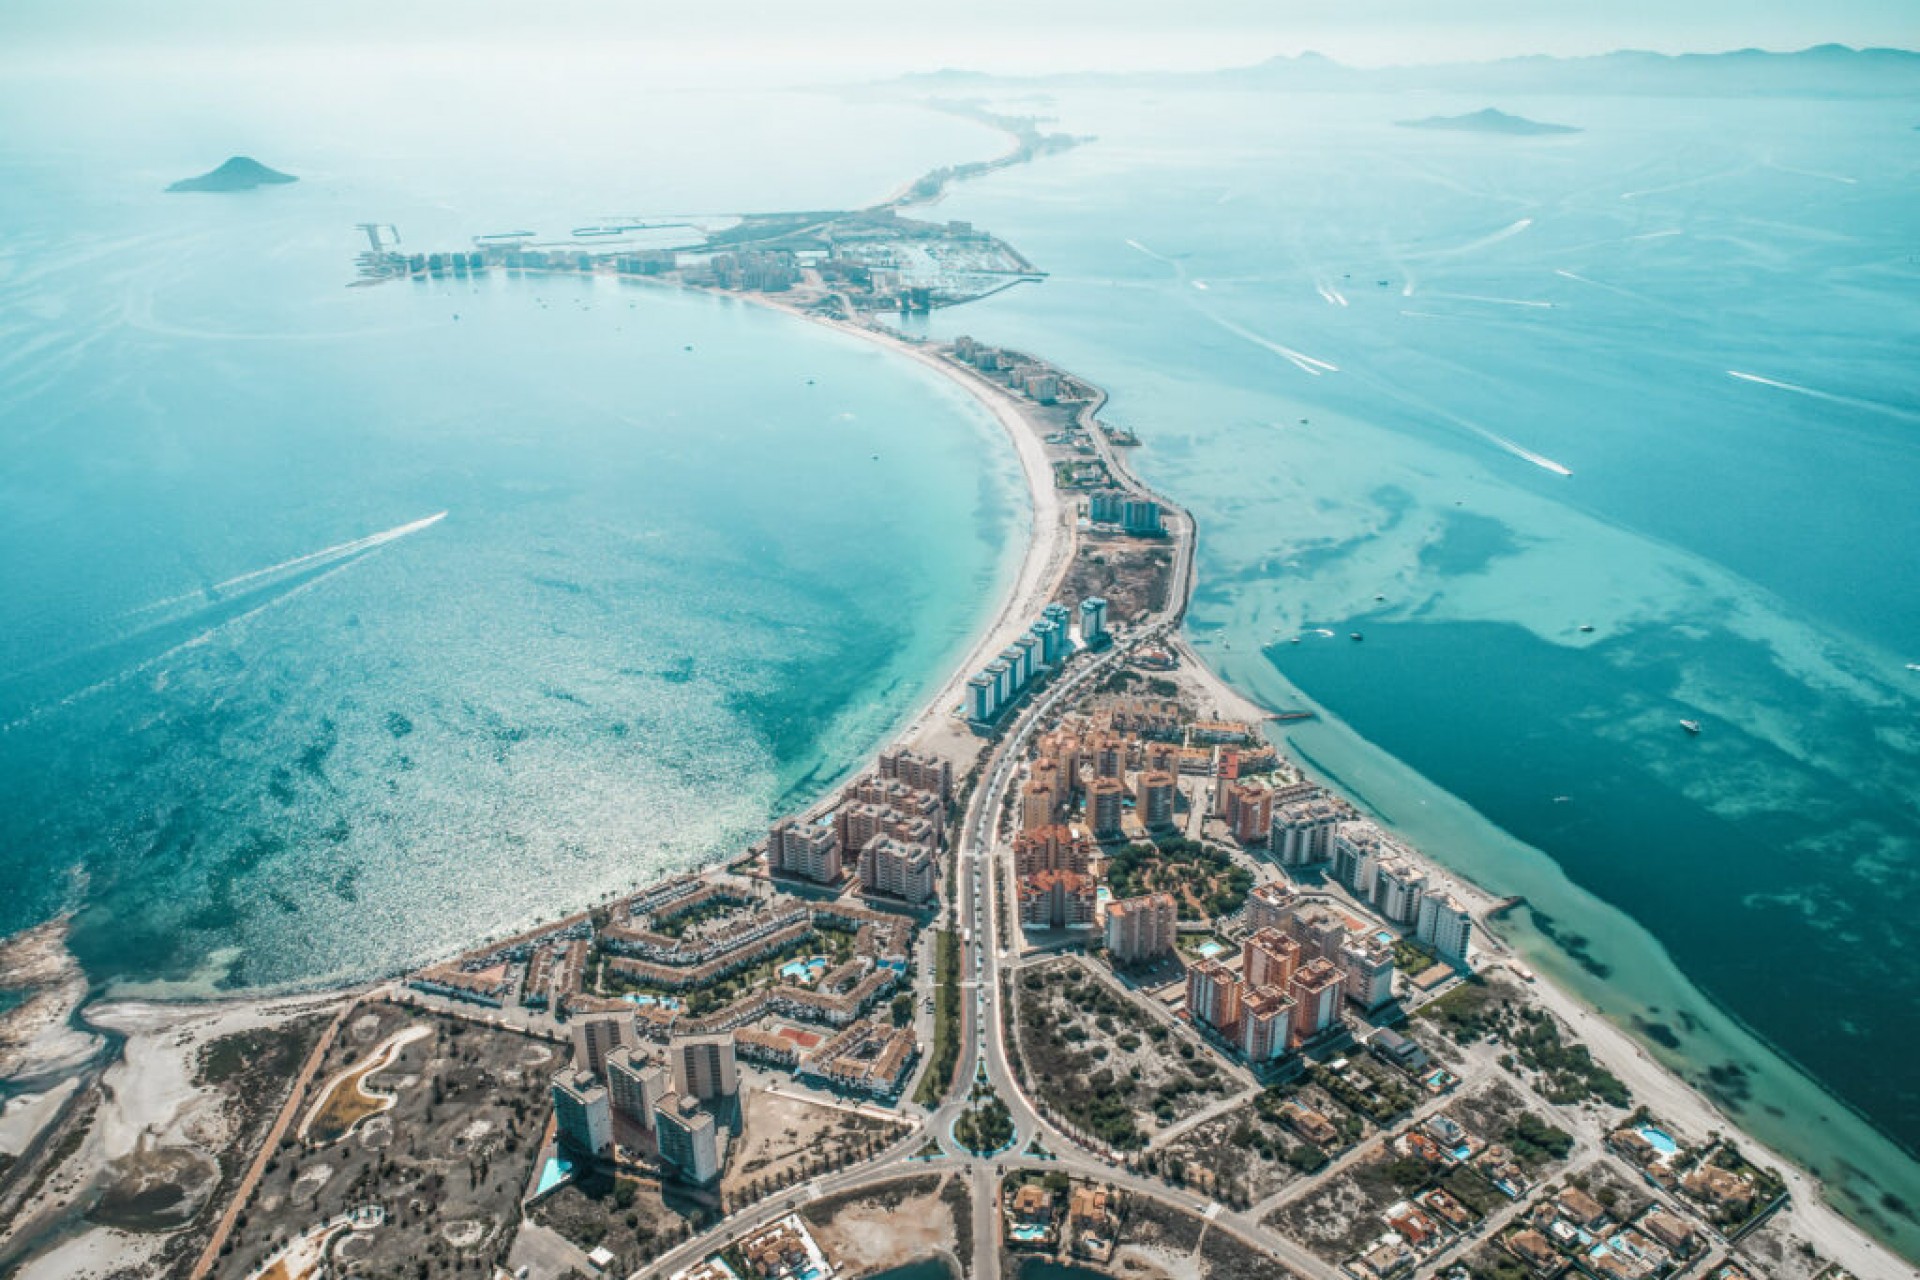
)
(1807, 1215)
(150, 1100)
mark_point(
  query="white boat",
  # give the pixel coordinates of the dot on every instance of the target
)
(1691, 726)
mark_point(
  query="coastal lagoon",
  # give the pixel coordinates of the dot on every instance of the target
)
(1585, 435)
(343, 627)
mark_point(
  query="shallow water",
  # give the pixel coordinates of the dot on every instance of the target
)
(1467, 395)
(342, 627)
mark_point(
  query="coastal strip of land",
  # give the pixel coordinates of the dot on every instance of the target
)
(825, 985)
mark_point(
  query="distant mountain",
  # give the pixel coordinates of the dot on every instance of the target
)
(1828, 70)
(241, 173)
(1489, 121)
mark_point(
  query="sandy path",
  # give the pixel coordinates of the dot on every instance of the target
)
(377, 1061)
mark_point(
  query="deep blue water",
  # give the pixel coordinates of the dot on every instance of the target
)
(1471, 394)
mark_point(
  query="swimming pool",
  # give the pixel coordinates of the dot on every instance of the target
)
(1660, 1141)
(1210, 948)
(1027, 1235)
(555, 1171)
(665, 1002)
(804, 970)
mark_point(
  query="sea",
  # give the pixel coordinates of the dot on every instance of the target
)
(1584, 435)
(344, 627)
(1509, 454)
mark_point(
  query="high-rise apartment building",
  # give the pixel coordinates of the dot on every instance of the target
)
(704, 1067)
(582, 1113)
(1057, 900)
(1213, 995)
(1106, 807)
(922, 772)
(1316, 998)
(1397, 886)
(1053, 848)
(1269, 959)
(1039, 804)
(1093, 622)
(1367, 969)
(596, 1035)
(688, 1139)
(1266, 1024)
(1141, 930)
(1302, 831)
(1250, 812)
(1271, 905)
(635, 1084)
(809, 850)
(1446, 926)
(897, 868)
(1154, 795)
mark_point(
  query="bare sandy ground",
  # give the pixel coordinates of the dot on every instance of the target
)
(866, 1237)
(36, 1037)
(149, 1102)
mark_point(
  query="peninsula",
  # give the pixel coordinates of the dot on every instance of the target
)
(1082, 969)
(238, 173)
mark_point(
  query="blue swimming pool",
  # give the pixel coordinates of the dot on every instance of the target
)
(665, 1002)
(1659, 1140)
(1211, 948)
(555, 1171)
(804, 970)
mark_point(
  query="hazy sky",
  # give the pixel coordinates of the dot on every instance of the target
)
(855, 37)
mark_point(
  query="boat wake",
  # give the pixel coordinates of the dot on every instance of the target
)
(312, 559)
(1854, 402)
(1299, 359)
(177, 624)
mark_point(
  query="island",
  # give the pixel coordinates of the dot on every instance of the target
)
(1490, 120)
(239, 173)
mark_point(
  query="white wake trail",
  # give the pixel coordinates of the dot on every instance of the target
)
(312, 558)
(1300, 359)
(1853, 402)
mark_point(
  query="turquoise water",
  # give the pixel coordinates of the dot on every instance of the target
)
(1659, 1140)
(1471, 395)
(1210, 948)
(262, 719)
(555, 1171)
(804, 970)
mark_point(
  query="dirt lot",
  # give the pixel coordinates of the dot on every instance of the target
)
(1337, 1217)
(165, 1134)
(448, 1162)
(897, 1224)
(635, 1218)
(788, 1138)
(1772, 1252)
(1106, 1064)
(1240, 1157)
(1130, 572)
